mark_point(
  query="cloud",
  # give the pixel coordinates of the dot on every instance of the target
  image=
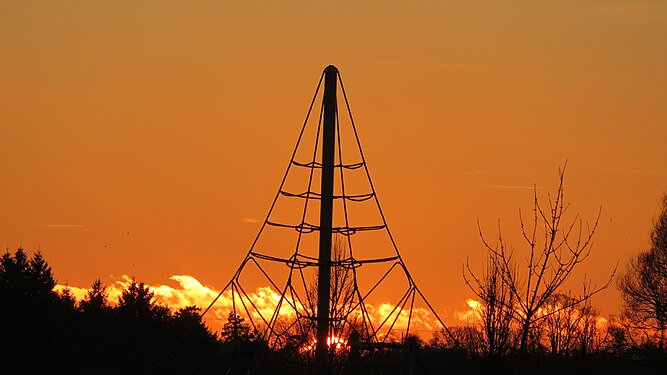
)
(472, 314)
(191, 292)
(78, 293)
(261, 303)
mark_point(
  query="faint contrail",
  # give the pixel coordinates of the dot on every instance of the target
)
(524, 187)
(66, 226)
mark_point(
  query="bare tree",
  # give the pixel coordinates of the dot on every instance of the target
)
(554, 247)
(644, 284)
(561, 326)
(497, 314)
(344, 318)
(342, 292)
(570, 329)
(592, 338)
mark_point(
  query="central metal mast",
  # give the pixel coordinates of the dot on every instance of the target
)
(326, 219)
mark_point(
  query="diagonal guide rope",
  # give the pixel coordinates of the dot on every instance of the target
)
(304, 308)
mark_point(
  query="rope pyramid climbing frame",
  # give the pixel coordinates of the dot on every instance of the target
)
(288, 261)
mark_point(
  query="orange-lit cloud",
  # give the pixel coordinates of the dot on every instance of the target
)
(472, 314)
(191, 292)
(422, 320)
(78, 293)
(188, 291)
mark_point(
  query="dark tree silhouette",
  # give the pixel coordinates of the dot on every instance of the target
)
(242, 349)
(341, 292)
(236, 329)
(30, 320)
(140, 329)
(569, 329)
(96, 300)
(41, 277)
(138, 301)
(23, 279)
(498, 336)
(644, 284)
(66, 299)
(98, 331)
(41, 330)
(554, 248)
(196, 346)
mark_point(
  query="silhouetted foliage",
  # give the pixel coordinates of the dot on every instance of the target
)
(96, 301)
(235, 329)
(143, 327)
(98, 330)
(29, 319)
(644, 285)
(42, 331)
(196, 347)
(138, 302)
(242, 348)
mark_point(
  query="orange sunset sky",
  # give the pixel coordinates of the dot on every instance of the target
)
(149, 138)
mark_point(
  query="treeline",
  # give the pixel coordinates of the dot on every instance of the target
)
(46, 331)
(566, 339)
(527, 323)
(42, 331)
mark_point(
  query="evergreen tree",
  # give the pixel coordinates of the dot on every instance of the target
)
(29, 320)
(138, 301)
(96, 300)
(140, 329)
(236, 329)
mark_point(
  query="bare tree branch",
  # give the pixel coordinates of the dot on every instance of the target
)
(564, 245)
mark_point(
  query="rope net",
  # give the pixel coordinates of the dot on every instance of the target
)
(373, 298)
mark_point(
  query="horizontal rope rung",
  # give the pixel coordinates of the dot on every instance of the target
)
(315, 195)
(314, 164)
(295, 262)
(309, 228)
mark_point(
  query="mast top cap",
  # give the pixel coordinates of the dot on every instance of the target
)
(331, 69)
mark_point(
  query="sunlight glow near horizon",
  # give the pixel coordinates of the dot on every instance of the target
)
(191, 292)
